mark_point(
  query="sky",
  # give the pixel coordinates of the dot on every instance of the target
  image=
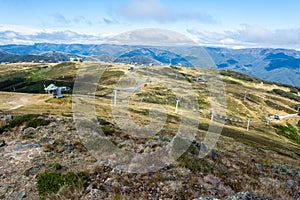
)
(230, 23)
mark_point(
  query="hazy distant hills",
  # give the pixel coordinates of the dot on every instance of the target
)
(154, 56)
(279, 65)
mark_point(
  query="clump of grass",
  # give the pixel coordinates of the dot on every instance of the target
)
(107, 130)
(56, 166)
(49, 183)
(190, 160)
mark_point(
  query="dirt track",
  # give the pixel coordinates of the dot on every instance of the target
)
(14, 100)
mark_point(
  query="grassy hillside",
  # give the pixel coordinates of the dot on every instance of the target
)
(269, 144)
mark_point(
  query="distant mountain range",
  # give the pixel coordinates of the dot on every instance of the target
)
(279, 65)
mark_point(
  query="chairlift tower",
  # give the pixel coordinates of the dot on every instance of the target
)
(177, 102)
(248, 124)
(115, 89)
(245, 96)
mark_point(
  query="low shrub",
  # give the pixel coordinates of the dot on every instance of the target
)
(29, 120)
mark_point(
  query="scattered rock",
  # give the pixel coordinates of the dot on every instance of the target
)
(66, 147)
(212, 180)
(269, 182)
(125, 189)
(34, 169)
(153, 143)
(297, 194)
(29, 131)
(214, 154)
(162, 138)
(47, 140)
(59, 119)
(95, 193)
(205, 198)
(203, 148)
(2, 143)
(282, 169)
(258, 166)
(296, 172)
(243, 196)
(291, 184)
(200, 146)
(213, 192)
(118, 169)
(182, 171)
(16, 196)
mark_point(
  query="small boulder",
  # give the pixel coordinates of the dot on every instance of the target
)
(29, 131)
(258, 166)
(2, 143)
(243, 196)
(16, 196)
(297, 194)
(214, 154)
(291, 184)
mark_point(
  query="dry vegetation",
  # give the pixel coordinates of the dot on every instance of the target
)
(261, 160)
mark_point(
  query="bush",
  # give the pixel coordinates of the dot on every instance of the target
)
(239, 75)
(294, 90)
(286, 94)
(35, 122)
(29, 120)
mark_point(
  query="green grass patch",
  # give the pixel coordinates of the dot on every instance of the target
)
(190, 160)
(49, 183)
(289, 131)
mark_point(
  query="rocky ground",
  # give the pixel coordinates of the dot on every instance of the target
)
(231, 171)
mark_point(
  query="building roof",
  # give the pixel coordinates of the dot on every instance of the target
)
(51, 87)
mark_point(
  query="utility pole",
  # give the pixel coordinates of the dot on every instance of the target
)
(177, 102)
(115, 96)
(248, 125)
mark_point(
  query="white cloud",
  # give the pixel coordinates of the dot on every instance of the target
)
(151, 37)
(18, 28)
(246, 36)
(249, 36)
(13, 37)
(156, 11)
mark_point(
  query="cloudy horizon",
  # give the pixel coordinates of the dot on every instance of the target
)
(229, 24)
